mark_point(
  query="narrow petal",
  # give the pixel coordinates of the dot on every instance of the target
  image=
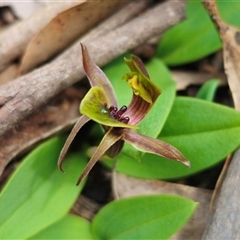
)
(108, 140)
(81, 121)
(112, 152)
(94, 104)
(155, 146)
(97, 77)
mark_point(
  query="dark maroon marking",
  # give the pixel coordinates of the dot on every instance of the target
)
(117, 114)
(113, 112)
(125, 119)
(122, 110)
(111, 108)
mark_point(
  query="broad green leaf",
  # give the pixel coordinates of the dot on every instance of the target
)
(38, 194)
(195, 37)
(159, 74)
(143, 217)
(229, 11)
(190, 40)
(204, 132)
(208, 90)
(68, 227)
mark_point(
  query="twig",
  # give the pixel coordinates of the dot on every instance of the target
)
(118, 19)
(185, 78)
(224, 222)
(20, 97)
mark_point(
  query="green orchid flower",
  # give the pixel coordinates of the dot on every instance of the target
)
(120, 124)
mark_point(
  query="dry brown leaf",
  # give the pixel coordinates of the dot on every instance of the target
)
(125, 186)
(224, 221)
(220, 181)
(85, 207)
(16, 37)
(9, 73)
(64, 29)
(231, 50)
(231, 53)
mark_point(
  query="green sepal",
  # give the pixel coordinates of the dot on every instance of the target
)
(94, 104)
(139, 80)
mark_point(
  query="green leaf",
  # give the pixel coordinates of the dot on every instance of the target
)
(208, 90)
(195, 37)
(190, 40)
(159, 74)
(143, 217)
(204, 132)
(229, 11)
(68, 227)
(38, 194)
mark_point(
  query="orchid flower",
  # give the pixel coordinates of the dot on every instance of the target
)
(100, 105)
